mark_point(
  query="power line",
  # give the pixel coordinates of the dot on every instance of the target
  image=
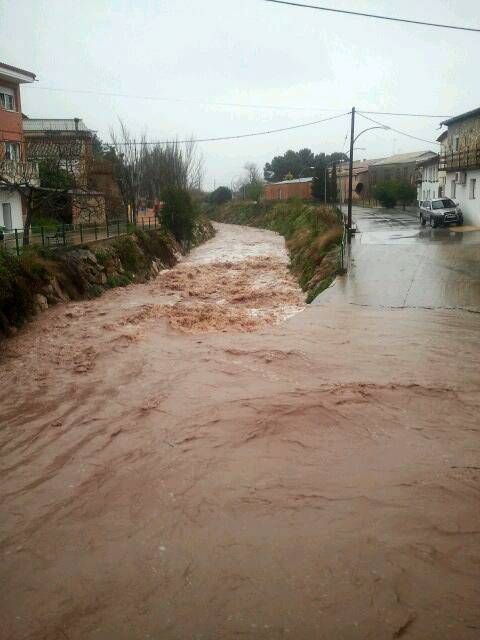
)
(112, 94)
(243, 105)
(403, 133)
(410, 115)
(373, 15)
(236, 137)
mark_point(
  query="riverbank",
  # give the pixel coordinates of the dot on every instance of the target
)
(312, 232)
(41, 277)
(314, 478)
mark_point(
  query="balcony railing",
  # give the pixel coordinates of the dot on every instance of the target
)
(468, 158)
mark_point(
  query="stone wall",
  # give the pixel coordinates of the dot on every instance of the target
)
(88, 207)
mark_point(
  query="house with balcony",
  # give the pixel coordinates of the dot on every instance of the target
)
(460, 160)
(14, 168)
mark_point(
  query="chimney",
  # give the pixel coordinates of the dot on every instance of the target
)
(76, 120)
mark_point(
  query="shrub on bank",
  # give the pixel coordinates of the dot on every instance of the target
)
(313, 234)
(178, 214)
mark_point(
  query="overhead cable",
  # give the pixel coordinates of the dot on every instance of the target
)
(376, 16)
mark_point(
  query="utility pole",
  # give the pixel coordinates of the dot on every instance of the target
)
(350, 177)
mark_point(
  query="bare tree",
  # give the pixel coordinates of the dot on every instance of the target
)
(144, 170)
(173, 165)
(253, 173)
(130, 163)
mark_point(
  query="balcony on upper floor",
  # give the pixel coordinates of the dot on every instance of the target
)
(461, 160)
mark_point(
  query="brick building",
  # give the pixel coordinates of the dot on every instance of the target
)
(12, 151)
(298, 188)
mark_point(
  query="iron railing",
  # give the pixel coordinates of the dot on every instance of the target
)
(72, 234)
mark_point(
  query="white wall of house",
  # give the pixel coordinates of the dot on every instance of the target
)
(10, 209)
(467, 195)
(429, 188)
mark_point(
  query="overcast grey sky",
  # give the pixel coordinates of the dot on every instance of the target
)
(249, 52)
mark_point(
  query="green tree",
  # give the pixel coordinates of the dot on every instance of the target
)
(299, 164)
(386, 193)
(53, 177)
(390, 192)
(253, 191)
(406, 193)
(220, 195)
(178, 214)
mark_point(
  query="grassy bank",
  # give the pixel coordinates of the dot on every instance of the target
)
(313, 235)
(41, 277)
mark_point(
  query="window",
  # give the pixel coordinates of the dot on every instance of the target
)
(473, 188)
(7, 99)
(444, 203)
(12, 151)
(456, 143)
(7, 215)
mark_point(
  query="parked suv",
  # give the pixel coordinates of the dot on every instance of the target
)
(440, 211)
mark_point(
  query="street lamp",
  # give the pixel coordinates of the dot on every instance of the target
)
(305, 169)
(353, 139)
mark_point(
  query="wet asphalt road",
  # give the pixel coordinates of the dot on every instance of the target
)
(395, 262)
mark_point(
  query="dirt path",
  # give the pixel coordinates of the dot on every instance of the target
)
(180, 462)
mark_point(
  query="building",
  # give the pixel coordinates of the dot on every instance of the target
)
(402, 167)
(360, 180)
(68, 139)
(431, 180)
(298, 188)
(460, 160)
(68, 144)
(12, 149)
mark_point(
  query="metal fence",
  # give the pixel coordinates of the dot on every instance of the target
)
(72, 234)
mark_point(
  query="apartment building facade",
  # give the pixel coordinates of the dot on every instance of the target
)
(12, 148)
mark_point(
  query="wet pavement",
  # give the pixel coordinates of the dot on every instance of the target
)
(395, 262)
(207, 474)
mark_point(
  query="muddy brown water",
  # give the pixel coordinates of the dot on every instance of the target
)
(201, 457)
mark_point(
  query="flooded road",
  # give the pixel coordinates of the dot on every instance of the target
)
(395, 262)
(187, 459)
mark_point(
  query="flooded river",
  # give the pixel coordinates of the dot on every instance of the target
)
(204, 457)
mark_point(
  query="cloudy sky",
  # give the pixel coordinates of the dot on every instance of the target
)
(177, 59)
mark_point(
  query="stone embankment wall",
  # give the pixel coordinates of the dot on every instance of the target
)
(39, 279)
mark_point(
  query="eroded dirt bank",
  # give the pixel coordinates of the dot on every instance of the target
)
(314, 478)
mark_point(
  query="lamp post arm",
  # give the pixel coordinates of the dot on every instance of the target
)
(369, 129)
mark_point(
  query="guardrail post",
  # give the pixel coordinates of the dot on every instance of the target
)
(16, 242)
(42, 231)
(143, 223)
(149, 224)
(95, 229)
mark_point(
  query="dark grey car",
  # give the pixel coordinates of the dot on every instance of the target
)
(440, 211)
